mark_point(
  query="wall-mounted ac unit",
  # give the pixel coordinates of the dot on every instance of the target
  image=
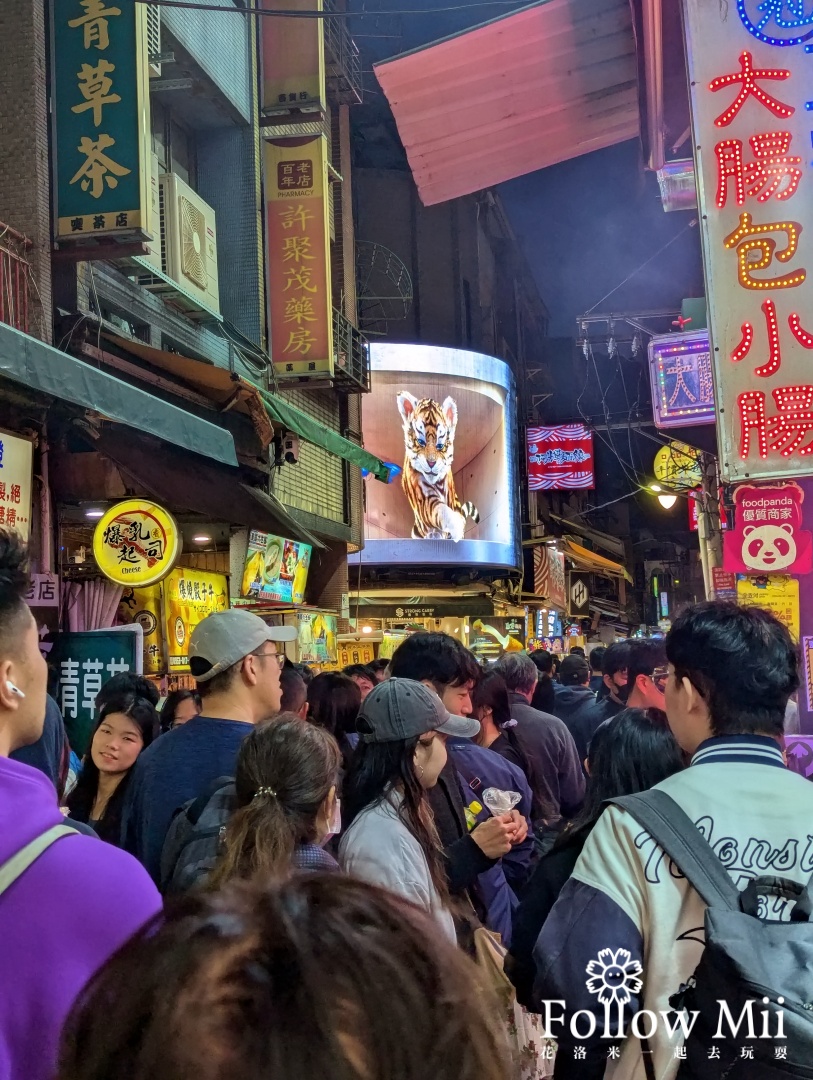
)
(154, 39)
(189, 241)
(154, 219)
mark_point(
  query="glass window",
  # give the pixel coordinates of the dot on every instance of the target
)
(158, 118)
(182, 152)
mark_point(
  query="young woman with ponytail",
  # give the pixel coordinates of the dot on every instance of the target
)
(287, 806)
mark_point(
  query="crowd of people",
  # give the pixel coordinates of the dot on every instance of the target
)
(285, 874)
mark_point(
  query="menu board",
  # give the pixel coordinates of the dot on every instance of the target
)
(276, 569)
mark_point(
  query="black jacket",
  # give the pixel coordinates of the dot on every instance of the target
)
(557, 768)
(541, 893)
(581, 713)
(464, 859)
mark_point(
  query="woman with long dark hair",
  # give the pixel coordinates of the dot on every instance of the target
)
(492, 707)
(629, 753)
(391, 839)
(286, 802)
(180, 706)
(128, 723)
(334, 701)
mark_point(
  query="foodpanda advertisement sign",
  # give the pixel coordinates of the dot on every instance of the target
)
(768, 536)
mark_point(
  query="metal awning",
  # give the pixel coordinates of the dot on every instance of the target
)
(584, 559)
(221, 386)
(542, 85)
(32, 363)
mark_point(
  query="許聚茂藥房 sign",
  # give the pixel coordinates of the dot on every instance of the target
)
(136, 543)
(100, 117)
(750, 90)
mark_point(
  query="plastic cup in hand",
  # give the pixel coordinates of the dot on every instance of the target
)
(500, 802)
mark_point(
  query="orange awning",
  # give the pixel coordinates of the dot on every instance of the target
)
(544, 84)
(585, 559)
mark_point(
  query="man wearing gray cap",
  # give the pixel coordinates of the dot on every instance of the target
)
(236, 659)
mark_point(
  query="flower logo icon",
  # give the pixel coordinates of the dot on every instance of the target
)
(614, 976)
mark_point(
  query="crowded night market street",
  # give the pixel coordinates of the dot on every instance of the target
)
(406, 540)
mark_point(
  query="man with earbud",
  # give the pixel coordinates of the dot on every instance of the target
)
(67, 901)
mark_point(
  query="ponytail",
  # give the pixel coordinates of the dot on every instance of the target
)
(285, 771)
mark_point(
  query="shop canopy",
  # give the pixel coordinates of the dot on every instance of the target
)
(221, 386)
(32, 363)
(584, 559)
(530, 89)
(201, 487)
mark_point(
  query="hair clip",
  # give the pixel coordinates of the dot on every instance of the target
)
(265, 791)
(508, 724)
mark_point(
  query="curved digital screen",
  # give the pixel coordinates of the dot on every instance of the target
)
(444, 421)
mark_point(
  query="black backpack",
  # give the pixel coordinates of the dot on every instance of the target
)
(748, 958)
(195, 835)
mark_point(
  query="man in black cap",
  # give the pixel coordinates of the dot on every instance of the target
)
(576, 704)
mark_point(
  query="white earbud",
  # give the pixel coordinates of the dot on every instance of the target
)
(12, 689)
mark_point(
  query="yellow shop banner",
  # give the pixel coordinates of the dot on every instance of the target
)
(189, 596)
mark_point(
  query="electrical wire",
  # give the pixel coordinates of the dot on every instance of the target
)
(690, 225)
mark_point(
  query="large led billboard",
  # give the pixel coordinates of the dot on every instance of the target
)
(445, 422)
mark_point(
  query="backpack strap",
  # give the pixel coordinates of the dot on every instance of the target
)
(683, 842)
(197, 806)
(17, 865)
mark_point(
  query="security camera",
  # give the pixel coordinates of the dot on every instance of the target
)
(290, 448)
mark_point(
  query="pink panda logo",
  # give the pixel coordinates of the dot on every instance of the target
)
(769, 547)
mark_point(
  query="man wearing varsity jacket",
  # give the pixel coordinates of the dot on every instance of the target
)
(627, 930)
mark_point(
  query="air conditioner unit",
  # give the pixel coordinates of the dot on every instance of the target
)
(154, 216)
(154, 39)
(189, 241)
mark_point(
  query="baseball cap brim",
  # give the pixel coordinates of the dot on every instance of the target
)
(282, 633)
(461, 727)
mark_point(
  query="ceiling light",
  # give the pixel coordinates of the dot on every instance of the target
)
(366, 629)
(667, 501)
(95, 514)
(201, 539)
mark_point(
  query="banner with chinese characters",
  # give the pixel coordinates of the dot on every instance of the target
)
(16, 472)
(189, 596)
(82, 662)
(778, 594)
(293, 59)
(299, 282)
(749, 76)
(560, 458)
(101, 117)
(355, 652)
(768, 536)
(682, 383)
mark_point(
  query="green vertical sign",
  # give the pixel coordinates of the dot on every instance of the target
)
(82, 662)
(101, 114)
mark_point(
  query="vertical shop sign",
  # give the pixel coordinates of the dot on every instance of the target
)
(16, 472)
(682, 383)
(560, 458)
(101, 117)
(749, 74)
(189, 596)
(293, 59)
(299, 282)
(549, 575)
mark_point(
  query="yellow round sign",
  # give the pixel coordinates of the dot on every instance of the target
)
(678, 466)
(136, 543)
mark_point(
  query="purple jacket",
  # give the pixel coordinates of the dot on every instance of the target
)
(61, 919)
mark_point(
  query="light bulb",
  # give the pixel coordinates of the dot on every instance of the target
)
(655, 487)
(667, 501)
(201, 539)
(366, 629)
